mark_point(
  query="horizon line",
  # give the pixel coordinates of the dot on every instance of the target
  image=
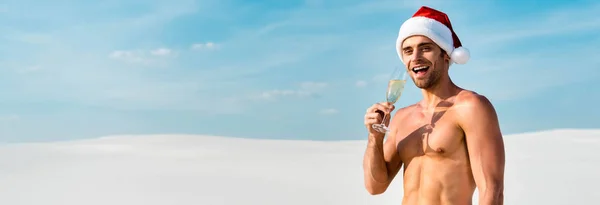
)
(122, 136)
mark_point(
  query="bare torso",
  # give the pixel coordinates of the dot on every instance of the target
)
(433, 150)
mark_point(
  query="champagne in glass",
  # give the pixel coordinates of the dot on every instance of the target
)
(394, 91)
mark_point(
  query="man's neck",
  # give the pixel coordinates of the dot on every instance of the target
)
(438, 93)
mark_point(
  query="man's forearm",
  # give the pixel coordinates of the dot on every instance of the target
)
(374, 162)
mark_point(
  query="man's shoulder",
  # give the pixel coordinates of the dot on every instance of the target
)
(473, 106)
(476, 116)
(471, 100)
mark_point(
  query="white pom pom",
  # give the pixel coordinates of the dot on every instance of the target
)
(460, 55)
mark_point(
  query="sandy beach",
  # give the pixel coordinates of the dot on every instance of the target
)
(551, 167)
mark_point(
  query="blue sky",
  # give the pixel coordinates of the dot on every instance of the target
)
(273, 69)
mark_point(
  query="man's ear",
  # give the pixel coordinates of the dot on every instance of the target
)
(447, 57)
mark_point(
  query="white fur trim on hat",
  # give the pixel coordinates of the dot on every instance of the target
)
(434, 30)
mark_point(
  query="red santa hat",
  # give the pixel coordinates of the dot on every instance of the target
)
(436, 26)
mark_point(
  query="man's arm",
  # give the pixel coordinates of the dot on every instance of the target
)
(381, 162)
(479, 121)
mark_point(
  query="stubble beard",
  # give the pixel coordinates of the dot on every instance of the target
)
(431, 80)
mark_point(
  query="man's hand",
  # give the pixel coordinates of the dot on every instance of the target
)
(375, 115)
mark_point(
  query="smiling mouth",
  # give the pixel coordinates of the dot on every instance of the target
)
(420, 69)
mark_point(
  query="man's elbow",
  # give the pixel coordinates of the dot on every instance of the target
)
(492, 198)
(375, 189)
(493, 194)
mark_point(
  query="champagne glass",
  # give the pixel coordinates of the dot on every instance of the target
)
(394, 91)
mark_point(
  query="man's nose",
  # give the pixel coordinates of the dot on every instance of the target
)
(416, 56)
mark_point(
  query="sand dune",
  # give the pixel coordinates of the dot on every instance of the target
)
(553, 167)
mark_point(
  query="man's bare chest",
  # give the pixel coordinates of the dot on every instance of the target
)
(436, 135)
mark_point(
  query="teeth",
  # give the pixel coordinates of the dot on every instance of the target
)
(419, 68)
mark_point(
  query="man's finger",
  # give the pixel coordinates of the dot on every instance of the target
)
(373, 108)
(371, 121)
(386, 107)
(373, 115)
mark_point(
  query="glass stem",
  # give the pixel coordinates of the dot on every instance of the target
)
(383, 119)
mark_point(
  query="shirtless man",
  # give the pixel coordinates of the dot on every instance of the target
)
(449, 142)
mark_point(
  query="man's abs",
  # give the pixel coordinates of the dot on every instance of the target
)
(437, 181)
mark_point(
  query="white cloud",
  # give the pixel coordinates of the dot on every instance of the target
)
(161, 52)
(188, 169)
(144, 57)
(129, 56)
(204, 46)
(306, 89)
(276, 93)
(361, 83)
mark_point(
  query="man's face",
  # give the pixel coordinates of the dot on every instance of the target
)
(426, 62)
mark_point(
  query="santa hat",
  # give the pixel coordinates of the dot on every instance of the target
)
(436, 26)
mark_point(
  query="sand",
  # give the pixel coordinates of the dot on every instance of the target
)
(551, 167)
